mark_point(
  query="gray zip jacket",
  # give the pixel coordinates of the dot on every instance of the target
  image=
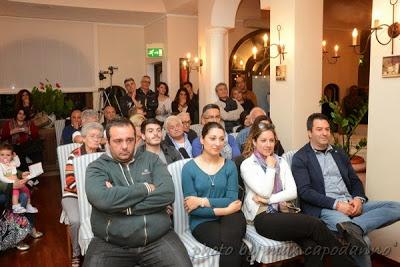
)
(127, 214)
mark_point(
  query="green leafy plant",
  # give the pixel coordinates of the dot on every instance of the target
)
(51, 100)
(346, 125)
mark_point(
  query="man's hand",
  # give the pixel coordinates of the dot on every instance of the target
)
(108, 184)
(152, 187)
(170, 210)
(344, 207)
(356, 203)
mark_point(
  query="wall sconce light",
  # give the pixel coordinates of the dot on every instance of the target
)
(193, 63)
(280, 47)
(333, 59)
(393, 31)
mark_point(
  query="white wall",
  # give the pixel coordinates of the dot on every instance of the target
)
(383, 181)
(293, 100)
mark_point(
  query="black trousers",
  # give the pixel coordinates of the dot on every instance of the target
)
(225, 235)
(310, 233)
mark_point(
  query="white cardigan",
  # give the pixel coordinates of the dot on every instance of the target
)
(261, 183)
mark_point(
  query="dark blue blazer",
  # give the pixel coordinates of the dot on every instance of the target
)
(310, 182)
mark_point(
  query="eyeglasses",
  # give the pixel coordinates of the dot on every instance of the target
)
(187, 122)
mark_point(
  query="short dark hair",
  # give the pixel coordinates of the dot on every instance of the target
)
(129, 80)
(191, 85)
(315, 116)
(118, 122)
(147, 122)
(6, 146)
(209, 106)
(210, 125)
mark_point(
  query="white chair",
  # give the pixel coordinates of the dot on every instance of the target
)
(85, 209)
(199, 254)
(288, 156)
(59, 127)
(62, 156)
(197, 128)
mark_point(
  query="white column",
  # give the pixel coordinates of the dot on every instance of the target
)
(217, 59)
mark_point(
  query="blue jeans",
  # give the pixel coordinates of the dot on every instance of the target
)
(375, 214)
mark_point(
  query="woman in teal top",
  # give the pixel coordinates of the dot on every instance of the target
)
(210, 187)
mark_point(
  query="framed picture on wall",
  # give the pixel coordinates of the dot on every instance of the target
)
(183, 71)
(391, 67)
(281, 73)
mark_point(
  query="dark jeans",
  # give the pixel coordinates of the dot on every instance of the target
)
(311, 234)
(225, 235)
(166, 251)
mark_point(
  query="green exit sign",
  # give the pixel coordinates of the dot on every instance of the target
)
(154, 52)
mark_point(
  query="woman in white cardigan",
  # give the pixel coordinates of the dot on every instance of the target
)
(269, 182)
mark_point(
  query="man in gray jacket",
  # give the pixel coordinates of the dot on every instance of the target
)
(129, 197)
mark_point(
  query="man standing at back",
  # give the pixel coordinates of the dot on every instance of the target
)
(129, 198)
(147, 98)
(329, 189)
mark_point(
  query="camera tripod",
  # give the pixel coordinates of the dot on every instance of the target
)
(104, 96)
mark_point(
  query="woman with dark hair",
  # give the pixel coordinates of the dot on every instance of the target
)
(24, 100)
(269, 185)
(24, 136)
(210, 188)
(181, 103)
(164, 102)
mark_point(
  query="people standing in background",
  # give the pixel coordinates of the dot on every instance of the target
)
(128, 102)
(194, 101)
(164, 102)
(109, 115)
(24, 100)
(247, 94)
(147, 98)
(181, 103)
(230, 108)
(246, 103)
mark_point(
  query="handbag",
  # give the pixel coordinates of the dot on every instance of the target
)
(289, 207)
(41, 119)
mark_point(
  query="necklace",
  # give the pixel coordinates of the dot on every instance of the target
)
(212, 180)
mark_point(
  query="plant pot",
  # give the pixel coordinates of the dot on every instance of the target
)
(359, 166)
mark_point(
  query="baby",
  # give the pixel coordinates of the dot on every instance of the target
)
(9, 162)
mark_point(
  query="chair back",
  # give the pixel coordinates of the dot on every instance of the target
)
(63, 152)
(181, 218)
(59, 127)
(288, 156)
(85, 209)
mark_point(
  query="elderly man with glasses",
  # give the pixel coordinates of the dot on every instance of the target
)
(147, 98)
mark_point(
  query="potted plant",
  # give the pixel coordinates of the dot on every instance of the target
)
(51, 100)
(345, 125)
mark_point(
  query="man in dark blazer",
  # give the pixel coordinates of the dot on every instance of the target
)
(329, 188)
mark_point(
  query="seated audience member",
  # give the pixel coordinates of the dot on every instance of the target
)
(91, 133)
(75, 125)
(109, 115)
(269, 184)
(329, 189)
(243, 134)
(15, 227)
(246, 103)
(194, 100)
(151, 130)
(24, 136)
(181, 103)
(247, 94)
(210, 188)
(176, 137)
(147, 98)
(129, 198)
(128, 102)
(137, 121)
(186, 122)
(230, 108)
(244, 122)
(211, 114)
(88, 115)
(24, 101)
(164, 102)
(9, 162)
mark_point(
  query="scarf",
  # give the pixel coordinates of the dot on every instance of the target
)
(277, 180)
